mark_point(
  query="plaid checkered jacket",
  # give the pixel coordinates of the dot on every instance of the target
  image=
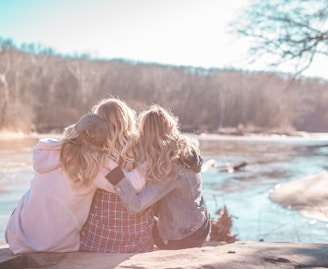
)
(110, 228)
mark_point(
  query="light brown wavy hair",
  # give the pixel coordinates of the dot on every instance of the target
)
(79, 159)
(122, 134)
(161, 144)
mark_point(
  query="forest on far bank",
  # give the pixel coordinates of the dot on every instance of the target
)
(43, 91)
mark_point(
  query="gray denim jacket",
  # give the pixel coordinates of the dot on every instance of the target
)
(182, 209)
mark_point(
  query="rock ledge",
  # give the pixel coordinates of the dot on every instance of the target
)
(241, 254)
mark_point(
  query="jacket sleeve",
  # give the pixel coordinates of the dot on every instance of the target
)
(136, 202)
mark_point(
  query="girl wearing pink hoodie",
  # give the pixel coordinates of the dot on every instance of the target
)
(52, 212)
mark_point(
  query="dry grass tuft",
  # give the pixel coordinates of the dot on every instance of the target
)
(221, 229)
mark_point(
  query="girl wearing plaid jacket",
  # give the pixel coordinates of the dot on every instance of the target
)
(110, 227)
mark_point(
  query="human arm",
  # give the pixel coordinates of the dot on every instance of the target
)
(136, 202)
(101, 182)
(134, 177)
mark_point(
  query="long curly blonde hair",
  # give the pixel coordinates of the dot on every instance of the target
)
(121, 120)
(79, 159)
(161, 144)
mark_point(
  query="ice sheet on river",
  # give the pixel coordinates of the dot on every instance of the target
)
(309, 195)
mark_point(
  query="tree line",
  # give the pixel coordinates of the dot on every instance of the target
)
(43, 91)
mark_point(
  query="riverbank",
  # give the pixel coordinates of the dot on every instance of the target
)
(299, 136)
(225, 134)
(242, 254)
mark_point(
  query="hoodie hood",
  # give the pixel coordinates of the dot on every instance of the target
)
(46, 155)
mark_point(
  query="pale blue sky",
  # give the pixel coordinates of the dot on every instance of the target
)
(178, 32)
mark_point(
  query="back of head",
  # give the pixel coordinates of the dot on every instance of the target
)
(158, 143)
(161, 144)
(121, 120)
(157, 124)
(82, 154)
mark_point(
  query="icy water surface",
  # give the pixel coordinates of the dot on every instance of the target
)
(245, 192)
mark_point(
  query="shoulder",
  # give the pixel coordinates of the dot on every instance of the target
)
(48, 143)
(46, 155)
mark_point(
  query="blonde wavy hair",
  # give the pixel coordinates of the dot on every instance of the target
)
(79, 159)
(161, 144)
(121, 120)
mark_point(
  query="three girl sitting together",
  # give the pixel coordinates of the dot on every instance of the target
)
(108, 187)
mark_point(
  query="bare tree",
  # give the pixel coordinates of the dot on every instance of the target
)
(5, 89)
(290, 31)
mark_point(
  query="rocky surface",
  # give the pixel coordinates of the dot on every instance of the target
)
(214, 255)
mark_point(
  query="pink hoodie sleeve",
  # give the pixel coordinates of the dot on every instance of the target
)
(46, 155)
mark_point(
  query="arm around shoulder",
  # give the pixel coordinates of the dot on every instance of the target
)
(149, 195)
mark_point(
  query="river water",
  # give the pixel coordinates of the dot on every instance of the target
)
(245, 192)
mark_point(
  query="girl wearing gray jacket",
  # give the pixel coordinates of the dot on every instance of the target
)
(171, 163)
